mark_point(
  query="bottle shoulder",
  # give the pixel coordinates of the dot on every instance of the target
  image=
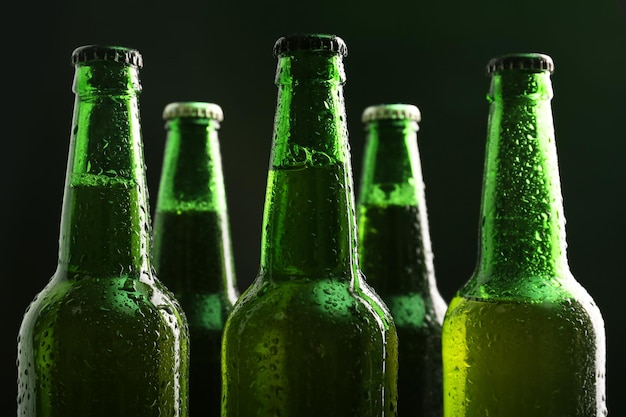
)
(524, 286)
(561, 300)
(112, 303)
(324, 304)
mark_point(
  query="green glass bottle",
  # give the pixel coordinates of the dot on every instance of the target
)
(522, 337)
(396, 254)
(309, 337)
(191, 241)
(104, 337)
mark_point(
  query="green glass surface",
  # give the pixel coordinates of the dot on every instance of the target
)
(396, 254)
(522, 337)
(191, 243)
(309, 337)
(104, 337)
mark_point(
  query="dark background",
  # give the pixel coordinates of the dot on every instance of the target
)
(430, 53)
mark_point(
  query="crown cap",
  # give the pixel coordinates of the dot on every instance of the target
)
(393, 111)
(310, 42)
(121, 54)
(521, 61)
(193, 109)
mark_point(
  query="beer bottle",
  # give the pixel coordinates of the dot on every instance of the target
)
(191, 241)
(104, 337)
(522, 337)
(396, 254)
(308, 337)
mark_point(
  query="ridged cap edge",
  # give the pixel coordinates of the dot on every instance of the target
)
(123, 55)
(521, 61)
(193, 109)
(310, 42)
(397, 111)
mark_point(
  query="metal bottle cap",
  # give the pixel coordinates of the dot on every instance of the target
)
(521, 61)
(123, 55)
(310, 42)
(193, 109)
(397, 111)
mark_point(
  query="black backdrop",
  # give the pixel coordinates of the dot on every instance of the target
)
(430, 53)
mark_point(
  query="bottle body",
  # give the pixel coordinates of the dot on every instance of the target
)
(100, 347)
(296, 360)
(191, 241)
(104, 337)
(524, 357)
(396, 254)
(309, 337)
(523, 330)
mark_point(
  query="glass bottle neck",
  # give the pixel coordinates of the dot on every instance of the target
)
(191, 236)
(392, 173)
(392, 210)
(522, 233)
(309, 226)
(105, 218)
(192, 178)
